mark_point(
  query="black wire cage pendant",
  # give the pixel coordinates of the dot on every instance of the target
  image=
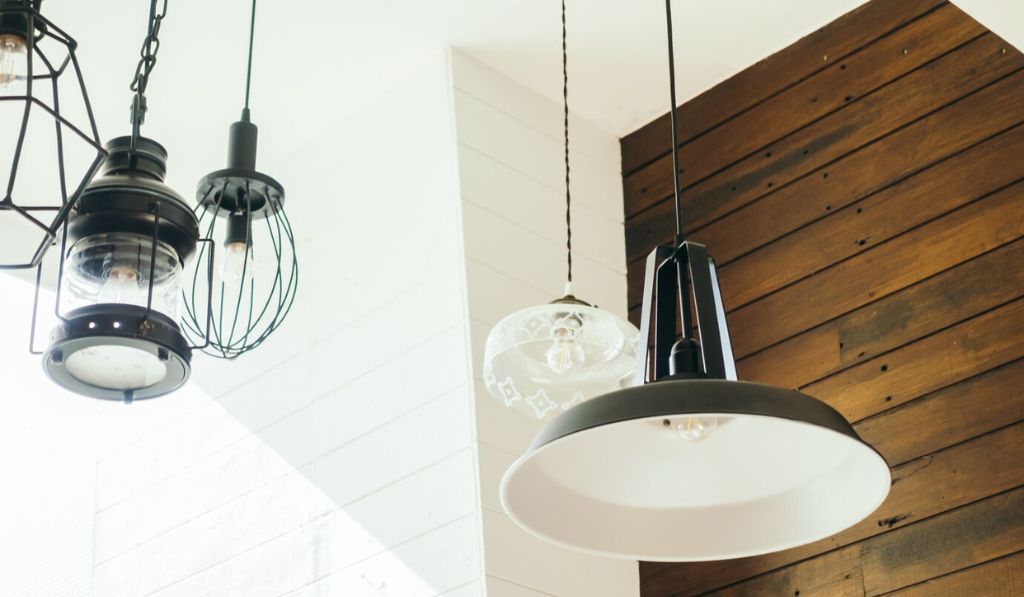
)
(42, 95)
(258, 271)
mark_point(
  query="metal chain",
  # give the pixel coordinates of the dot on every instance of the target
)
(147, 60)
(565, 107)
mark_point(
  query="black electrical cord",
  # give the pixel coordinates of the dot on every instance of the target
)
(675, 129)
(248, 72)
(565, 111)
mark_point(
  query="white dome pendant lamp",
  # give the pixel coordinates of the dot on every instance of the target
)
(692, 465)
(543, 360)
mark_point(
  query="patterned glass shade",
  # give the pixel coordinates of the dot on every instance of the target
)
(543, 360)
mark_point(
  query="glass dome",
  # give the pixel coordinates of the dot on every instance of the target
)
(543, 360)
(114, 269)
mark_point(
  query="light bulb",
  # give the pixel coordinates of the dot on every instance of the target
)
(120, 286)
(12, 62)
(237, 263)
(695, 429)
(565, 352)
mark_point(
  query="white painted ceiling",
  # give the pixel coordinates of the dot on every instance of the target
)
(317, 60)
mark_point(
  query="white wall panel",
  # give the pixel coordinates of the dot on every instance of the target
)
(512, 186)
(339, 459)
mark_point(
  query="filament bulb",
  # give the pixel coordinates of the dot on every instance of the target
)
(12, 63)
(565, 352)
(238, 262)
(692, 429)
(120, 286)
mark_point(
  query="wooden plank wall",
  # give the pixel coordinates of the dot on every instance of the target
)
(863, 194)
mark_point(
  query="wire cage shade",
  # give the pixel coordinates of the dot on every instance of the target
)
(257, 269)
(48, 137)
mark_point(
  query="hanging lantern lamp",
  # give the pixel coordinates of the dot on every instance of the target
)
(122, 256)
(692, 464)
(543, 360)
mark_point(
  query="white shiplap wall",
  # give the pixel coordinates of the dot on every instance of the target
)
(339, 459)
(357, 453)
(512, 184)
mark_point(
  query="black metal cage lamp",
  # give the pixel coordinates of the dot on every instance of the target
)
(259, 271)
(36, 58)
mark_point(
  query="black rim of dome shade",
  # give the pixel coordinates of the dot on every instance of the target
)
(671, 398)
(118, 325)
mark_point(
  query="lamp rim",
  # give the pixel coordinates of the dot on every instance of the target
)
(692, 397)
(120, 325)
(671, 398)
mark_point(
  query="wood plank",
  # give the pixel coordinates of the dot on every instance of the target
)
(999, 578)
(810, 54)
(934, 362)
(982, 403)
(973, 534)
(913, 97)
(883, 216)
(858, 175)
(827, 91)
(977, 533)
(923, 488)
(950, 297)
(881, 271)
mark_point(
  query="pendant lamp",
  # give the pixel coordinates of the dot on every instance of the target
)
(122, 255)
(692, 464)
(543, 360)
(40, 71)
(258, 270)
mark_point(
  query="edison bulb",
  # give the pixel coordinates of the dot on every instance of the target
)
(237, 263)
(12, 63)
(695, 429)
(121, 285)
(565, 352)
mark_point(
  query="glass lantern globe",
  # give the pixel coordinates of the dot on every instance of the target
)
(544, 360)
(114, 268)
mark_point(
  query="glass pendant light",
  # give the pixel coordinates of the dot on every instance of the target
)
(543, 360)
(37, 63)
(258, 269)
(692, 464)
(119, 294)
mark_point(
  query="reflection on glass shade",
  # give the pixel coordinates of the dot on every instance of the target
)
(543, 360)
(114, 269)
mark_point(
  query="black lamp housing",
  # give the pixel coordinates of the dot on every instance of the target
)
(780, 469)
(50, 59)
(127, 220)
